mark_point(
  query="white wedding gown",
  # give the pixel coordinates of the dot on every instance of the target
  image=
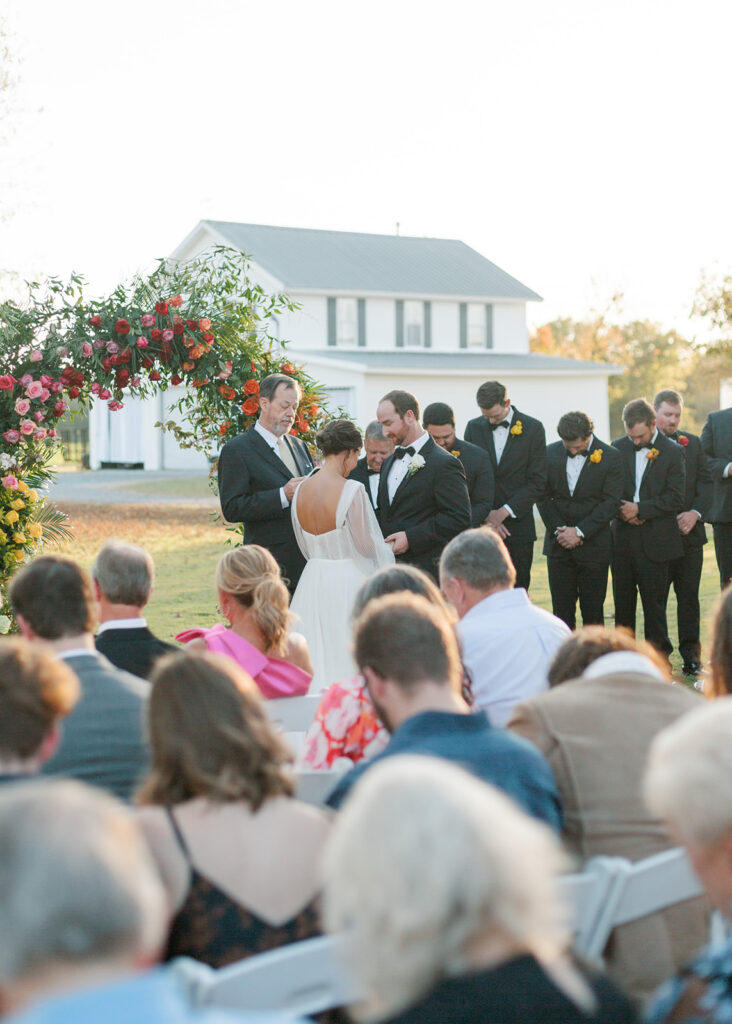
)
(337, 564)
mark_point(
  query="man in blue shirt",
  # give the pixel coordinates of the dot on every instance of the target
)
(407, 652)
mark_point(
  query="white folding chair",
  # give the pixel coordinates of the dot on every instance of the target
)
(292, 714)
(589, 897)
(654, 883)
(314, 786)
(301, 979)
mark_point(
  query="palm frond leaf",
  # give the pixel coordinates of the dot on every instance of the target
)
(54, 522)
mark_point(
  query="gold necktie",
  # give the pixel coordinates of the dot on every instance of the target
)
(286, 456)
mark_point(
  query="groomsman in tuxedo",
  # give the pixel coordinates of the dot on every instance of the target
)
(438, 419)
(716, 442)
(259, 471)
(646, 535)
(368, 468)
(685, 572)
(516, 446)
(423, 496)
(584, 488)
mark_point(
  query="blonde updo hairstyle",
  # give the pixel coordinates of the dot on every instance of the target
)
(252, 577)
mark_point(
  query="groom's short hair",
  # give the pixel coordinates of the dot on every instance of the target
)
(403, 402)
(404, 638)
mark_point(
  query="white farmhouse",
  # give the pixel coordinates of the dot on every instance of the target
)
(378, 312)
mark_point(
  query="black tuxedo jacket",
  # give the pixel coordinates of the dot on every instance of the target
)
(361, 473)
(134, 650)
(592, 507)
(699, 487)
(661, 499)
(431, 506)
(250, 478)
(520, 476)
(479, 476)
(716, 442)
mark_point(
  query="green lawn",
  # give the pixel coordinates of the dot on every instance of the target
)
(186, 543)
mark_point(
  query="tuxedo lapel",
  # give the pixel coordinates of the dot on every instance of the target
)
(384, 482)
(491, 445)
(408, 477)
(584, 473)
(264, 450)
(562, 463)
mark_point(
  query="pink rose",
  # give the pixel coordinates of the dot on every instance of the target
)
(22, 405)
(86, 349)
(7, 382)
(46, 381)
(112, 348)
(135, 381)
(45, 395)
(95, 388)
(105, 393)
(26, 379)
(27, 426)
(12, 436)
(39, 433)
(36, 355)
(59, 408)
(98, 343)
(10, 481)
(115, 406)
(39, 416)
(168, 335)
(57, 387)
(142, 342)
(147, 320)
(34, 389)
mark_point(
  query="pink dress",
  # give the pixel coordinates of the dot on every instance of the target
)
(274, 677)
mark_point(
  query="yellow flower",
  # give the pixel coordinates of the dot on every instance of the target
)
(22, 486)
(455, 453)
(35, 530)
(652, 454)
(517, 428)
(18, 504)
(32, 495)
(596, 455)
(19, 554)
(11, 517)
(20, 538)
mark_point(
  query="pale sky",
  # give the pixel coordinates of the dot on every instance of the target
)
(582, 145)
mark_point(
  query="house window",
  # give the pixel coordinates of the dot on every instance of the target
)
(414, 324)
(346, 322)
(476, 325)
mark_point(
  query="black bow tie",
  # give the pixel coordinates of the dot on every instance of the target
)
(640, 447)
(399, 453)
(573, 455)
(495, 426)
(373, 472)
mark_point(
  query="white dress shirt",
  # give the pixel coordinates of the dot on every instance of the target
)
(272, 440)
(575, 467)
(501, 436)
(399, 467)
(507, 645)
(641, 465)
(373, 479)
(122, 624)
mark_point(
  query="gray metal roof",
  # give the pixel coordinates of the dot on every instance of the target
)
(425, 359)
(346, 261)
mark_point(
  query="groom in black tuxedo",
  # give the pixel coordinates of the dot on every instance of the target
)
(423, 496)
(259, 471)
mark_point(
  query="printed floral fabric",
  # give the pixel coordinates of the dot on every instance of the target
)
(699, 994)
(345, 728)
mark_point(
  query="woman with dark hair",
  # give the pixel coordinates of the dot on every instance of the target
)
(338, 534)
(237, 853)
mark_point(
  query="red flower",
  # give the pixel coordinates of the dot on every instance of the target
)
(288, 368)
(192, 324)
(155, 375)
(123, 377)
(227, 392)
(683, 441)
(178, 329)
(107, 364)
(74, 392)
(96, 321)
(147, 362)
(161, 308)
(156, 334)
(207, 337)
(7, 382)
(250, 406)
(175, 379)
(223, 427)
(251, 387)
(122, 327)
(294, 431)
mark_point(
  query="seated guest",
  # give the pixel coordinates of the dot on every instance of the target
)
(368, 469)
(84, 914)
(102, 740)
(123, 580)
(438, 420)
(36, 692)
(687, 785)
(507, 643)
(407, 652)
(447, 893)
(238, 854)
(346, 727)
(256, 602)
(596, 731)
(720, 661)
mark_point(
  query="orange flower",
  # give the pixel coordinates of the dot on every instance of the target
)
(227, 392)
(250, 406)
(204, 324)
(313, 411)
(196, 352)
(176, 301)
(288, 368)
(302, 424)
(294, 431)
(188, 365)
(251, 387)
(254, 367)
(200, 383)
(224, 427)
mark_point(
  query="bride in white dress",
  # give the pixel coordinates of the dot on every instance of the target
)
(338, 534)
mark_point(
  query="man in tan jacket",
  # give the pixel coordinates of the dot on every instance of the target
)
(595, 730)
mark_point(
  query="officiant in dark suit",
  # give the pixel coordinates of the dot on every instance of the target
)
(368, 468)
(516, 446)
(685, 572)
(259, 471)
(438, 419)
(423, 496)
(716, 442)
(584, 488)
(646, 535)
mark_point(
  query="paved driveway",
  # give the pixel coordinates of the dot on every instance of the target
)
(133, 487)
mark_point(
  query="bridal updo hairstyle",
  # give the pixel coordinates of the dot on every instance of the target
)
(339, 436)
(252, 577)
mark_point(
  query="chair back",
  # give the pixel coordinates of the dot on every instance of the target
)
(292, 714)
(588, 897)
(314, 787)
(654, 883)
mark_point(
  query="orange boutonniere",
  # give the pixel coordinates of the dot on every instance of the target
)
(596, 455)
(517, 428)
(652, 454)
(456, 453)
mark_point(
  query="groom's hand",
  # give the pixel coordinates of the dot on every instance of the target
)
(399, 542)
(291, 485)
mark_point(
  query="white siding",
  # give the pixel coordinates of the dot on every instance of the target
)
(445, 326)
(307, 327)
(380, 323)
(510, 333)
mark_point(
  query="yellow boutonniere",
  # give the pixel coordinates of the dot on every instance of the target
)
(596, 455)
(456, 453)
(652, 454)
(517, 428)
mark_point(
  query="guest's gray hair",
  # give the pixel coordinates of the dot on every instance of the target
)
(77, 883)
(373, 432)
(478, 558)
(124, 572)
(688, 771)
(444, 858)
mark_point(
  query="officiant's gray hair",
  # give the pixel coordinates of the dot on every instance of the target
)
(480, 559)
(270, 384)
(373, 432)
